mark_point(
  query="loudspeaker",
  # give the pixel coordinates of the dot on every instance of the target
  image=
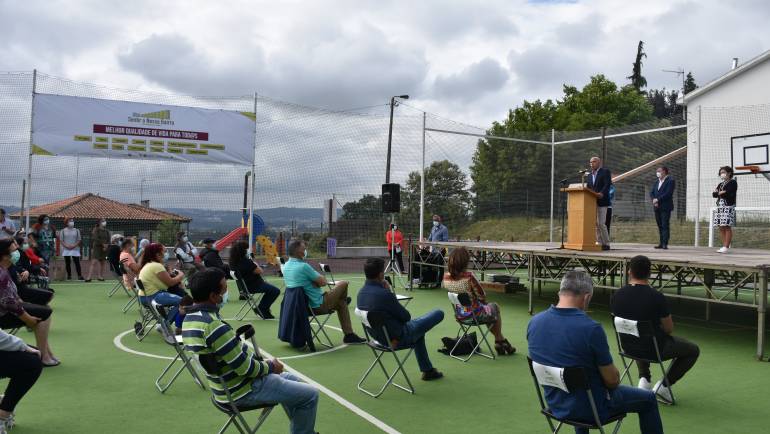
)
(391, 198)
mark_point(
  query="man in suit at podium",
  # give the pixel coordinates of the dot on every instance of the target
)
(662, 195)
(599, 180)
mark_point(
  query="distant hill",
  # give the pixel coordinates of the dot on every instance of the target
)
(306, 219)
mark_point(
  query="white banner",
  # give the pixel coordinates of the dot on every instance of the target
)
(69, 125)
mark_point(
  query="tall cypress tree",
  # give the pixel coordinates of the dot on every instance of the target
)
(637, 79)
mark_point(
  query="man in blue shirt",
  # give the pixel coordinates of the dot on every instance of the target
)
(564, 336)
(404, 331)
(438, 232)
(299, 274)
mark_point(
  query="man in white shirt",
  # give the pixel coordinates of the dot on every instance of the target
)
(7, 226)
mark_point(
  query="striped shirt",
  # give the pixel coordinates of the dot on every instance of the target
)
(204, 332)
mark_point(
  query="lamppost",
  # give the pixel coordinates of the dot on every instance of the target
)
(393, 103)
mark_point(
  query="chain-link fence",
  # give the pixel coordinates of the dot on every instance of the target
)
(485, 183)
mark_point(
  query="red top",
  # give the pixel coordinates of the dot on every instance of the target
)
(398, 237)
(33, 258)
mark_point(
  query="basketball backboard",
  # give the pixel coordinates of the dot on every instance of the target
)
(753, 150)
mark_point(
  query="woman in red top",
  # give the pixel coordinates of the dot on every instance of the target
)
(459, 280)
(399, 238)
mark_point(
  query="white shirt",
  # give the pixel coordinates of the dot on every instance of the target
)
(660, 181)
(7, 224)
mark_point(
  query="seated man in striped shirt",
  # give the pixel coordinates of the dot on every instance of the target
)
(249, 379)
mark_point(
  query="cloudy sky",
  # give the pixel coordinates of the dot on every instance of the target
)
(466, 60)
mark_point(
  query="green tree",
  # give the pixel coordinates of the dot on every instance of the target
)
(364, 208)
(637, 79)
(601, 104)
(689, 83)
(167, 230)
(446, 194)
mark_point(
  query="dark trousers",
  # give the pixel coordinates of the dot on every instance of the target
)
(663, 218)
(684, 353)
(608, 221)
(76, 259)
(399, 256)
(23, 369)
(271, 294)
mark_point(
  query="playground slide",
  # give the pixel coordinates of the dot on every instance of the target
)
(228, 239)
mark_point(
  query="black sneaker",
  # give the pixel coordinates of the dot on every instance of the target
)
(353, 339)
(607, 247)
(138, 328)
(433, 374)
(268, 315)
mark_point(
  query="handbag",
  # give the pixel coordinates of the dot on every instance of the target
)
(462, 346)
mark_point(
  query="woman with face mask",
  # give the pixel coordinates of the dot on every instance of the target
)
(14, 312)
(46, 238)
(724, 217)
(70, 241)
(185, 253)
(100, 240)
(395, 238)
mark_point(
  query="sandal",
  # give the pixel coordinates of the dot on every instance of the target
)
(49, 365)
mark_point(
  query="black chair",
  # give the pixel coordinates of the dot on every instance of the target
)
(224, 402)
(467, 324)
(376, 321)
(637, 341)
(569, 380)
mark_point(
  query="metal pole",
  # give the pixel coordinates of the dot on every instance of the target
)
(697, 184)
(390, 138)
(253, 180)
(77, 178)
(422, 179)
(29, 162)
(553, 165)
(761, 312)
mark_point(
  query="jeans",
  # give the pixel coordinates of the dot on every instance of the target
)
(271, 293)
(663, 218)
(299, 400)
(684, 353)
(165, 298)
(626, 399)
(413, 334)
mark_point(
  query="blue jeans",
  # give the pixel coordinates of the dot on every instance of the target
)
(271, 293)
(413, 334)
(299, 400)
(627, 399)
(165, 298)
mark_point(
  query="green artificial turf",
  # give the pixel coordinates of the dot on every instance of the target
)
(100, 388)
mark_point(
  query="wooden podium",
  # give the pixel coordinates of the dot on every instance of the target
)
(581, 218)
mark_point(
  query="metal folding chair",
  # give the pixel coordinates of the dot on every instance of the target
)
(118, 274)
(133, 298)
(147, 318)
(181, 356)
(570, 380)
(468, 324)
(251, 301)
(372, 320)
(210, 364)
(637, 342)
(319, 328)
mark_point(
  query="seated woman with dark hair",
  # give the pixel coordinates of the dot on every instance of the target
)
(459, 280)
(251, 273)
(15, 312)
(21, 364)
(22, 272)
(160, 285)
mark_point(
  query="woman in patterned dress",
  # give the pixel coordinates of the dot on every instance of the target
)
(724, 218)
(459, 280)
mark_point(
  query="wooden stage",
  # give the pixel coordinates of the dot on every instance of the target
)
(737, 278)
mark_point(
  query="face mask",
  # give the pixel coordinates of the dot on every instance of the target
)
(165, 256)
(435, 223)
(46, 222)
(395, 228)
(103, 224)
(659, 175)
(225, 298)
(305, 254)
(184, 239)
(15, 255)
(71, 224)
(25, 246)
(723, 176)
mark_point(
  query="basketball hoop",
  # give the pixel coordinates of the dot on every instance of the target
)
(753, 169)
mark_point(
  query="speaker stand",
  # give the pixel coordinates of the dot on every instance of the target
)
(392, 270)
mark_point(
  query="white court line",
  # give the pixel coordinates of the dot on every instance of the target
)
(342, 401)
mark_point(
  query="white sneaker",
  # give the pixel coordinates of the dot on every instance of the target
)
(644, 384)
(663, 392)
(722, 250)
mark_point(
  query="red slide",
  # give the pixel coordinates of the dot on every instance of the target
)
(229, 238)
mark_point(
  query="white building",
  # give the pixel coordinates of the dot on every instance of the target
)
(719, 113)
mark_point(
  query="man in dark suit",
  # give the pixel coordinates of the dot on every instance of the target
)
(599, 180)
(662, 195)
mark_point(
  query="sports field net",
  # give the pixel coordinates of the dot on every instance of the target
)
(308, 157)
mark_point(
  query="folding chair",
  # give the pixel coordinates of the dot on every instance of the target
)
(181, 355)
(325, 268)
(570, 380)
(372, 320)
(147, 318)
(467, 324)
(133, 298)
(320, 326)
(251, 300)
(118, 274)
(235, 412)
(637, 341)
(399, 297)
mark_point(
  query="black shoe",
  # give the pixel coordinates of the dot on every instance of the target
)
(664, 247)
(605, 247)
(433, 374)
(138, 328)
(659, 247)
(86, 280)
(81, 278)
(348, 300)
(353, 339)
(267, 315)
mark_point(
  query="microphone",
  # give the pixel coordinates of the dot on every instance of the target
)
(583, 171)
